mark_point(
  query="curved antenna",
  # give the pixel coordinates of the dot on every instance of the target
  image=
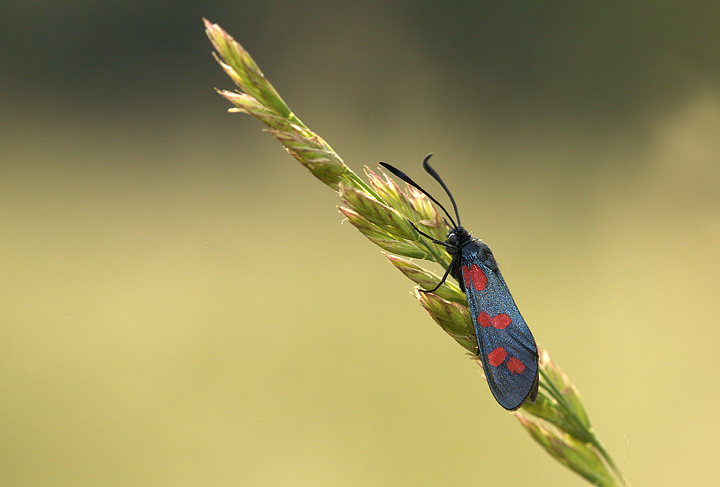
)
(406, 178)
(436, 177)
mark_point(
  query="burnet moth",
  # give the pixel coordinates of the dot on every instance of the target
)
(506, 345)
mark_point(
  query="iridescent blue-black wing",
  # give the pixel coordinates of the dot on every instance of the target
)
(507, 347)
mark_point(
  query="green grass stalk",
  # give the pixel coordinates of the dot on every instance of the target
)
(381, 211)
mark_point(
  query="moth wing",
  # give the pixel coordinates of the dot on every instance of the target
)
(507, 348)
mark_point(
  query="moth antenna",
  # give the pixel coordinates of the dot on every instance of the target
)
(397, 172)
(436, 177)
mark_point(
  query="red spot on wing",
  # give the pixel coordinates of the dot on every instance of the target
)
(479, 278)
(484, 319)
(497, 356)
(500, 321)
(475, 276)
(514, 365)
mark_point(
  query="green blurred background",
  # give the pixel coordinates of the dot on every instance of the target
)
(183, 306)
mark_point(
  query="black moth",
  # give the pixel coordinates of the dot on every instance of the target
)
(506, 345)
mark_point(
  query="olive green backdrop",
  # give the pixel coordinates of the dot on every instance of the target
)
(182, 304)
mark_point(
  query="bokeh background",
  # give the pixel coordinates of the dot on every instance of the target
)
(183, 306)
